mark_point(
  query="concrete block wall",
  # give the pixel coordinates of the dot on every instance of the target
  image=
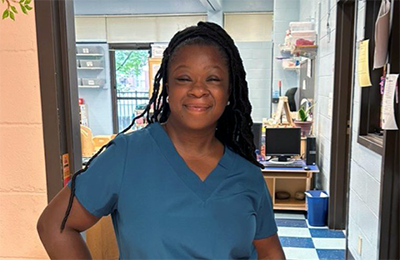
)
(309, 10)
(22, 168)
(365, 171)
(365, 178)
(257, 59)
(285, 11)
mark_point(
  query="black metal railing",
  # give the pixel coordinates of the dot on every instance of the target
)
(127, 104)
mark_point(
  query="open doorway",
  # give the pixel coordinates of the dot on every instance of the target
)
(324, 80)
(130, 83)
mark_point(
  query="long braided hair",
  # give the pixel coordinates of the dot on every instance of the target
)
(234, 125)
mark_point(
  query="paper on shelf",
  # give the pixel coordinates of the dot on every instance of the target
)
(388, 117)
(363, 66)
(382, 28)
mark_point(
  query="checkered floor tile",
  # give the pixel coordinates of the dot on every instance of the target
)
(302, 241)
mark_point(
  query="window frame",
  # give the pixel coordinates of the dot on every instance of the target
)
(370, 133)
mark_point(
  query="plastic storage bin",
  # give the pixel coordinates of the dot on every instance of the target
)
(317, 207)
(91, 64)
(93, 82)
(310, 36)
(89, 50)
(301, 26)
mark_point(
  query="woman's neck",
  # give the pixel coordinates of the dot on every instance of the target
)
(192, 143)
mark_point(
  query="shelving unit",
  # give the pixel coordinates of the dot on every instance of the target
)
(291, 68)
(89, 86)
(290, 180)
(309, 51)
(89, 55)
(90, 66)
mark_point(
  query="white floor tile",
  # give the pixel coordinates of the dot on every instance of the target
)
(329, 243)
(325, 227)
(289, 216)
(300, 253)
(293, 232)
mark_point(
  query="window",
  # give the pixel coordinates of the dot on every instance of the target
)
(238, 24)
(370, 132)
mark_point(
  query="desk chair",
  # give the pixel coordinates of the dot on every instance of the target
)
(100, 140)
(290, 93)
(87, 144)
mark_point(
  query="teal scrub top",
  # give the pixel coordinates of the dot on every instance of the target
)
(162, 210)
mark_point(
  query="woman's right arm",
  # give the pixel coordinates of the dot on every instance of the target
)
(68, 244)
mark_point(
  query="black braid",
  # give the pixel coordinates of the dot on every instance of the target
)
(234, 126)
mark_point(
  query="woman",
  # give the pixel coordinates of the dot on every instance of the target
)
(188, 185)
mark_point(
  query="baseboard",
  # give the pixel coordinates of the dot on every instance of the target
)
(349, 255)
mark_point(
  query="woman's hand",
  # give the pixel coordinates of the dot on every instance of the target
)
(269, 248)
(68, 244)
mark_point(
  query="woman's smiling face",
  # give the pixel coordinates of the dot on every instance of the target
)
(198, 86)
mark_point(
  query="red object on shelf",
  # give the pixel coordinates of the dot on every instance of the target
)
(81, 101)
(302, 41)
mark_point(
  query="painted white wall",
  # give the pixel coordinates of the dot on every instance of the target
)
(365, 178)
(107, 7)
(256, 51)
(285, 11)
(256, 58)
(248, 5)
(365, 171)
(120, 7)
(324, 79)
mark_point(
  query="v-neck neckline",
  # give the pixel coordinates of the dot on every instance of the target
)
(203, 189)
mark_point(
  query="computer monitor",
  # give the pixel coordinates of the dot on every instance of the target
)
(282, 142)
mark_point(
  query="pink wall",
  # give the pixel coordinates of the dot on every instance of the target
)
(22, 169)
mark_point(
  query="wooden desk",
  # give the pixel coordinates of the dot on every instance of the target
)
(290, 180)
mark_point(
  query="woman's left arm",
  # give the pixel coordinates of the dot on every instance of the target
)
(269, 248)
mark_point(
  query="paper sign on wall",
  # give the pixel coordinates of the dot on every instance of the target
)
(66, 172)
(363, 65)
(382, 28)
(309, 68)
(388, 116)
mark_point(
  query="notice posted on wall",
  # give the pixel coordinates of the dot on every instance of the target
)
(388, 116)
(363, 65)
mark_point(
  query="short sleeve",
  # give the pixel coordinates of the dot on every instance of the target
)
(97, 189)
(265, 219)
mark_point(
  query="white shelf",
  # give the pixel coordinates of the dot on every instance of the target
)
(89, 55)
(90, 68)
(291, 68)
(89, 86)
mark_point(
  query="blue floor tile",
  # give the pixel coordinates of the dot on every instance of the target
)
(301, 242)
(331, 254)
(326, 233)
(291, 223)
(324, 244)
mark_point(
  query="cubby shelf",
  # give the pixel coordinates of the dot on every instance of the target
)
(89, 86)
(291, 181)
(89, 55)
